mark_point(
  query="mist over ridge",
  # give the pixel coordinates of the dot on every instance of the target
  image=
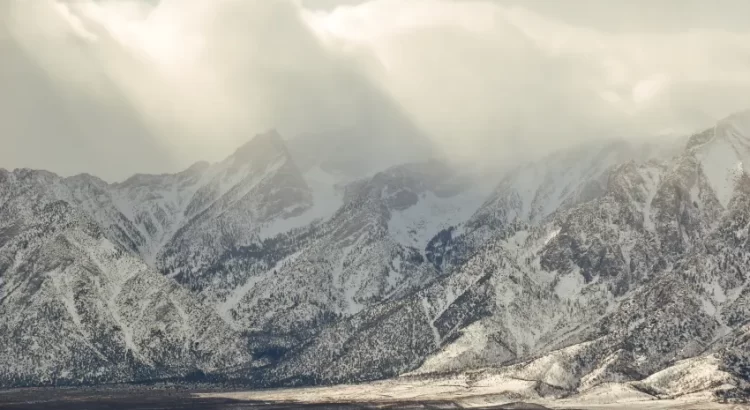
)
(480, 82)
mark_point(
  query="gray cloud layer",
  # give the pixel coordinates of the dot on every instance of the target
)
(115, 87)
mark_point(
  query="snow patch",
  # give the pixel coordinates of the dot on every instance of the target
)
(431, 321)
(473, 339)
(611, 393)
(552, 235)
(723, 159)
(651, 187)
(688, 376)
(224, 308)
(327, 198)
(66, 295)
(418, 224)
(569, 285)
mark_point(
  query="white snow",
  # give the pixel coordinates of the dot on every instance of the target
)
(717, 292)
(554, 369)
(99, 254)
(481, 389)
(552, 235)
(430, 321)
(718, 159)
(723, 158)
(419, 223)
(535, 191)
(454, 388)
(145, 201)
(327, 198)
(611, 393)
(569, 285)
(184, 318)
(350, 289)
(473, 339)
(167, 196)
(66, 295)
(688, 376)
(348, 281)
(715, 298)
(652, 184)
(224, 308)
(515, 243)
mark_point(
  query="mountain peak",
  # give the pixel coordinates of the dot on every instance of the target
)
(743, 115)
(270, 137)
(198, 167)
(733, 128)
(723, 152)
(263, 147)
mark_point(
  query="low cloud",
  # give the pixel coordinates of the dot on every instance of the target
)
(483, 82)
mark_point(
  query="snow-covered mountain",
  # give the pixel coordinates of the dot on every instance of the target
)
(604, 263)
(236, 198)
(83, 264)
(617, 238)
(370, 250)
(79, 308)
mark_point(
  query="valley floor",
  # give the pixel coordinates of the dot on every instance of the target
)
(483, 393)
(402, 394)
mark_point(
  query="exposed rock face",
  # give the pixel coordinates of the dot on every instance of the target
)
(239, 196)
(78, 308)
(604, 263)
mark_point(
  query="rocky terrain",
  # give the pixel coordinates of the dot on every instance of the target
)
(614, 262)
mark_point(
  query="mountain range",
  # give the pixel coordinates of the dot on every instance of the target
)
(609, 262)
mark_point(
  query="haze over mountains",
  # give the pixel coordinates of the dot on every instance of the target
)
(480, 193)
(117, 87)
(602, 263)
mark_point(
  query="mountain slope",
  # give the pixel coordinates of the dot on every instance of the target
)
(660, 257)
(181, 224)
(606, 278)
(252, 188)
(605, 263)
(78, 308)
(369, 251)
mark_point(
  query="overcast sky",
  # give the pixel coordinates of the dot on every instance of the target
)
(123, 86)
